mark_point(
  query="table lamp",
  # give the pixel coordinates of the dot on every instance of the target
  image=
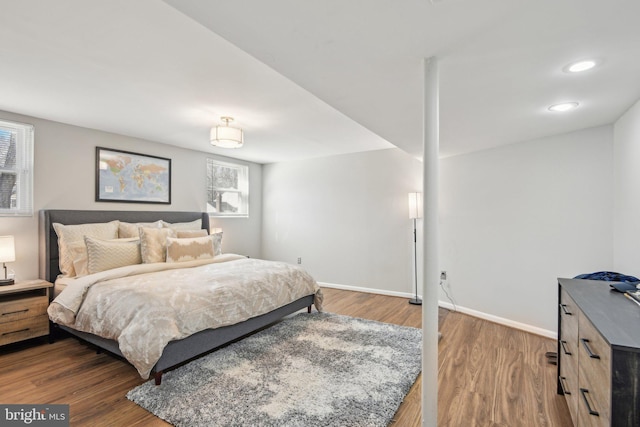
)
(7, 254)
(415, 211)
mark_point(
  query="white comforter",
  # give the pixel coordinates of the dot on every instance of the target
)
(145, 306)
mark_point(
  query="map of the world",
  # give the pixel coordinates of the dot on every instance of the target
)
(130, 177)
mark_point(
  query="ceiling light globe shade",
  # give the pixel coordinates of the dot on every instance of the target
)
(580, 66)
(226, 137)
(565, 106)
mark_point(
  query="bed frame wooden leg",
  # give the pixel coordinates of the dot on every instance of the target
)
(309, 309)
(158, 377)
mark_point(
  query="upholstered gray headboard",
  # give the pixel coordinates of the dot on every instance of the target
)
(49, 268)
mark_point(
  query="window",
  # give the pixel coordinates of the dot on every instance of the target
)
(16, 169)
(227, 189)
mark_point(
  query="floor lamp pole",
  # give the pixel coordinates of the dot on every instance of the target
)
(416, 300)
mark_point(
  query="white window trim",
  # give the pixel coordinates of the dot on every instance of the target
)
(23, 169)
(243, 190)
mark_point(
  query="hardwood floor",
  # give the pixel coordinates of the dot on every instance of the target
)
(489, 375)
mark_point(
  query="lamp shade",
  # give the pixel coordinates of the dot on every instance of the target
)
(7, 249)
(415, 205)
(226, 136)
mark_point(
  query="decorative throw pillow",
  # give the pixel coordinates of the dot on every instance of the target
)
(78, 251)
(153, 243)
(107, 254)
(189, 249)
(217, 243)
(184, 234)
(129, 230)
(193, 225)
(69, 234)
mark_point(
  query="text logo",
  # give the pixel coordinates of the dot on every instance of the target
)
(34, 415)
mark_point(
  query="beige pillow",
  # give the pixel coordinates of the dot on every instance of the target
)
(107, 254)
(153, 243)
(184, 234)
(70, 234)
(189, 249)
(78, 252)
(217, 243)
(130, 230)
(193, 225)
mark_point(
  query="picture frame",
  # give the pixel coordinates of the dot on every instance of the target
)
(128, 177)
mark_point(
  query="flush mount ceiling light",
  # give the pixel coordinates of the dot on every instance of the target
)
(577, 67)
(565, 106)
(226, 136)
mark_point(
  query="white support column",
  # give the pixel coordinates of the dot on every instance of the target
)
(431, 276)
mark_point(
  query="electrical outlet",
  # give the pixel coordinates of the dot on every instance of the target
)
(443, 275)
(299, 260)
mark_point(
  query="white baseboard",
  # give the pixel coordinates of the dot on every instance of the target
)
(471, 312)
(367, 290)
(501, 320)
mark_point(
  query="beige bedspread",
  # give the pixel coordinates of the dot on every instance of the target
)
(145, 306)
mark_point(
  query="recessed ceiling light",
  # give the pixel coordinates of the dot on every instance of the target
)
(580, 66)
(565, 106)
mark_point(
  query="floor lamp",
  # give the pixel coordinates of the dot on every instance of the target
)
(415, 207)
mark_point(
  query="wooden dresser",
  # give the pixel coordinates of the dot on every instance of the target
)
(598, 354)
(23, 310)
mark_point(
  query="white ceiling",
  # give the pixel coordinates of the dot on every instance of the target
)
(315, 78)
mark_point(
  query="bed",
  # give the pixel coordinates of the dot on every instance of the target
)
(194, 344)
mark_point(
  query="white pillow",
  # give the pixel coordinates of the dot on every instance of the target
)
(70, 234)
(189, 249)
(183, 234)
(193, 225)
(130, 230)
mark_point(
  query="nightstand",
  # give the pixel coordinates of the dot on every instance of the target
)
(23, 310)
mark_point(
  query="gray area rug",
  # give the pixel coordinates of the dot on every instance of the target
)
(316, 369)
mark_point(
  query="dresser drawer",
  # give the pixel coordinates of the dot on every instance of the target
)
(593, 408)
(594, 375)
(569, 383)
(23, 329)
(569, 314)
(13, 309)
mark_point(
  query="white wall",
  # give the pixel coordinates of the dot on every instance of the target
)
(626, 244)
(515, 218)
(64, 178)
(345, 216)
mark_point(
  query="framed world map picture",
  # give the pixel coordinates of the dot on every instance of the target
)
(122, 176)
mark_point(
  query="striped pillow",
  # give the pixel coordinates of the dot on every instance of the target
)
(107, 254)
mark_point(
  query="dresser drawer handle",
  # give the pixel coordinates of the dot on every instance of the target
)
(584, 392)
(15, 312)
(585, 343)
(564, 349)
(564, 309)
(15, 332)
(564, 389)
